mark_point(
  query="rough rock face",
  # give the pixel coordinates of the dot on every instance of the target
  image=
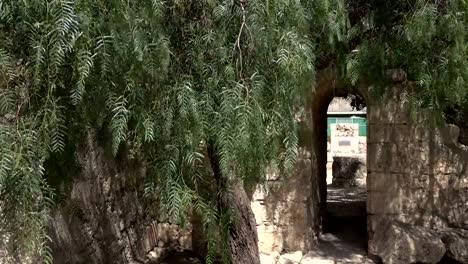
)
(417, 174)
(402, 243)
(267, 259)
(104, 219)
(281, 214)
(396, 242)
(456, 243)
(348, 171)
(290, 258)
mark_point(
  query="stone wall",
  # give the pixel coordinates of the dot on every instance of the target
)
(417, 177)
(345, 139)
(288, 208)
(281, 214)
(285, 207)
(417, 173)
(104, 219)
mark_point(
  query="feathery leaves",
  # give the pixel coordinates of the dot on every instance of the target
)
(172, 79)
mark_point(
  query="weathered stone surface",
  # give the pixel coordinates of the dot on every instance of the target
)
(270, 238)
(290, 258)
(402, 243)
(417, 174)
(281, 212)
(456, 243)
(267, 259)
(261, 214)
(104, 219)
(317, 260)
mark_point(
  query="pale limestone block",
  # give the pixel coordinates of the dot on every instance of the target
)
(260, 211)
(290, 258)
(259, 194)
(397, 243)
(267, 259)
(314, 258)
(270, 239)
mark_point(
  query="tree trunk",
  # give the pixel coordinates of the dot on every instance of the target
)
(243, 240)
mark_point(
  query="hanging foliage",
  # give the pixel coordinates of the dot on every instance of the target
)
(171, 79)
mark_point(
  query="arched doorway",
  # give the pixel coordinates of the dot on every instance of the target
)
(344, 223)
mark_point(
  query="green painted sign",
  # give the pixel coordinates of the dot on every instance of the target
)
(351, 119)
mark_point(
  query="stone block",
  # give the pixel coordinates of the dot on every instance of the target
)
(397, 133)
(397, 243)
(447, 163)
(296, 237)
(260, 211)
(392, 112)
(381, 203)
(185, 239)
(267, 259)
(380, 182)
(314, 258)
(386, 133)
(401, 200)
(398, 158)
(449, 134)
(290, 258)
(163, 232)
(270, 239)
(456, 245)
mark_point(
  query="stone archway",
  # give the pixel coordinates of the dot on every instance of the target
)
(344, 222)
(417, 183)
(290, 213)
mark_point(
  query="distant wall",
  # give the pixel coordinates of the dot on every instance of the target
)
(360, 121)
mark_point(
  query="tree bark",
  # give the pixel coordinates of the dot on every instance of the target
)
(243, 240)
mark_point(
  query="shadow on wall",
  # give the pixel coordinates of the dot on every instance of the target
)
(417, 174)
(280, 209)
(116, 227)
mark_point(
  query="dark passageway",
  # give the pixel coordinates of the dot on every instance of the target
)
(345, 225)
(344, 215)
